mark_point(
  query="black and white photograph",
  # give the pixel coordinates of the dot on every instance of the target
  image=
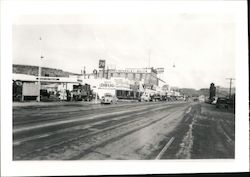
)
(129, 82)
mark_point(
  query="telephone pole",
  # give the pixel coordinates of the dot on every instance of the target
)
(230, 87)
(39, 70)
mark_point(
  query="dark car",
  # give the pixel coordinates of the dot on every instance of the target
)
(44, 93)
(222, 102)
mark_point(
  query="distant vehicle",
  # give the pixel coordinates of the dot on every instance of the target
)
(164, 98)
(44, 93)
(214, 101)
(82, 92)
(108, 99)
(157, 97)
(146, 97)
(195, 99)
(222, 102)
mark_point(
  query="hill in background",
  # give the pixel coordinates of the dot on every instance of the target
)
(220, 91)
(52, 72)
(33, 70)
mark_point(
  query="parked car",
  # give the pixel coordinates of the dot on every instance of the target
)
(44, 93)
(108, 99)
(146, 97)
(157, 97)
(214, 101)
(222, 102)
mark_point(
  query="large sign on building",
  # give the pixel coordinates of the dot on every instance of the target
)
(160, 70)
(101, 63)
(121, 83)
(106, 84)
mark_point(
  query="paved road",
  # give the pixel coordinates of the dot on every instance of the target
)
(155, 130)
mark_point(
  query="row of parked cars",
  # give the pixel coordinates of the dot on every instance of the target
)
(222, 102)
(108, 98)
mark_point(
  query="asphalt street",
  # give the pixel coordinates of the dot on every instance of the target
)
(123, 131)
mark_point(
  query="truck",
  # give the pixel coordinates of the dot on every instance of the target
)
(82, 92)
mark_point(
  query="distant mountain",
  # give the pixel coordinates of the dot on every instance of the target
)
(204, 91)
(189, 92)
(220, 91)
(33, 70)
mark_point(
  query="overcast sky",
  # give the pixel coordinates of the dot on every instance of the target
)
(201, 47)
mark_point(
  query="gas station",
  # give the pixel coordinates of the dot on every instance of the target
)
(31, 88)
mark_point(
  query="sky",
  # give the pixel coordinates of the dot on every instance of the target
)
(200, 46)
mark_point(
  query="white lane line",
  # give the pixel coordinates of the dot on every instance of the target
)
(17, 130)
(189, 109)
(164, 149)
(20, 141)
(228, 138)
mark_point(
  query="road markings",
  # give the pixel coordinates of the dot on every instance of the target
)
(89, 126)
(164, 149)
(189, 109)
(50, 124)
(18, 142)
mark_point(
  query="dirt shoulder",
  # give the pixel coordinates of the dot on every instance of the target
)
(205, 132)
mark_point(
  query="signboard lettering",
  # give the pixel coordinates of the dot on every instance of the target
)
(160, 70)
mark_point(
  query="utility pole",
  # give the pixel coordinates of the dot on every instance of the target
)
(230, 87)
(84, 72)
(102, 72)
(107, 72)
(39, 70)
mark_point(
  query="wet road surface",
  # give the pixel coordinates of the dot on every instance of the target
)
(154, 130)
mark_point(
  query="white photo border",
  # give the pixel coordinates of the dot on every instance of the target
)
(10, 10)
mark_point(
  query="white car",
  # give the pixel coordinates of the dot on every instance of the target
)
(214, 101)
(146, 97)
(108, 99)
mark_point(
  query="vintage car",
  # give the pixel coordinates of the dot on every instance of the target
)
(222, 102)
(214, 101)
(146, 97)
(108, 99)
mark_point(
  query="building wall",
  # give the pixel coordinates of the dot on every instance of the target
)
(33, 71)
(149, 78)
